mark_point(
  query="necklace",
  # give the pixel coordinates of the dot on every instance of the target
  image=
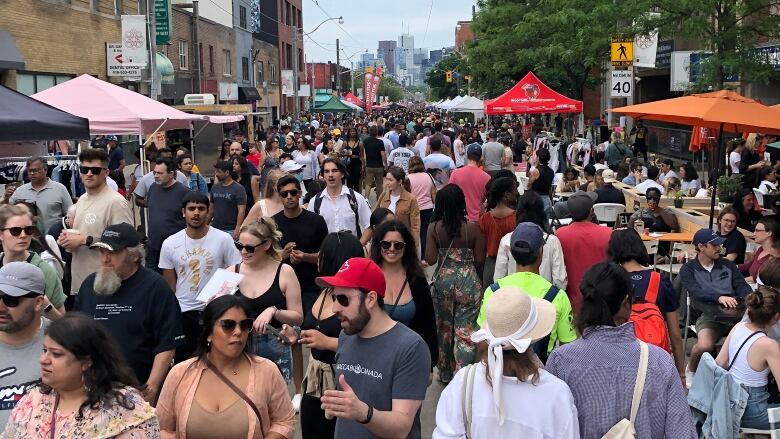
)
(233, 370)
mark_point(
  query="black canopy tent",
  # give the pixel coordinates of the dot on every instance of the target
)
(23, 118)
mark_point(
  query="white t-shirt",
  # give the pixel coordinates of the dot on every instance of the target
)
(647, 184)
(421, 146)
(195, 261)
(766, 187)
(460, 159)
(734, 159)
(400, 157)
(393, 202)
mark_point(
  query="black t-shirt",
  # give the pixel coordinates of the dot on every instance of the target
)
(115, 157)
(374, 148)
(143, 316)
(610, 194)
(734, 243)
(667, 300)
(165, 217)
(307, 231)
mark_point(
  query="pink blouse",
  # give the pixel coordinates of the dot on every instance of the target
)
(422, 184)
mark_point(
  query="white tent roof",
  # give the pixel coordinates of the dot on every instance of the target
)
(469, 103)
(442, 103)
(350, 104)
(455, 101)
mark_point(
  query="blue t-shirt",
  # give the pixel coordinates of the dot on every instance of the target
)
(439, 161)
(667, 300)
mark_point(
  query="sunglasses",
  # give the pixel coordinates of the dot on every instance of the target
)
(291, 192)
(387, 245)
(95, 170)
(229, 325)
(16, 231)
(249, 248)
(13, 301)
(342, 299)
(653, 198)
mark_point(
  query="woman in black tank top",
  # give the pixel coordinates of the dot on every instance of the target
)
(541, 177)
(271, 304)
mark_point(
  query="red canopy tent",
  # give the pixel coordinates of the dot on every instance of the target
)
(348, 96)
(531, 95)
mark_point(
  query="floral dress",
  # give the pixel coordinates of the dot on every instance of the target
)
(32, 419)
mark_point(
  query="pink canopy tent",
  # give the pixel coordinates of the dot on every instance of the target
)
(115, 110)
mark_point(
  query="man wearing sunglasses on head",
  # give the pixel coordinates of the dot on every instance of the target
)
(98, 208)
(382, 367)
(21, 332)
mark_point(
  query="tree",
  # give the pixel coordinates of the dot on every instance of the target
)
(387, 87)
(436, 77)
(729, 29)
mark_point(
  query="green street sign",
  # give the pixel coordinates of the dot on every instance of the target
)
(162, 17)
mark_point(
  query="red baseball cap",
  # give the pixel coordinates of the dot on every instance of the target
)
(360, 273)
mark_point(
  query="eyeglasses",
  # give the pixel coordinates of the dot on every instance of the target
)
(342, 299)
(395, 245)
(249, 248)
(229, 325)
(291, 192)
(759, 230)
(95, 170)
(653, 198)
(16, 231)
(34, 170)
(13, 301)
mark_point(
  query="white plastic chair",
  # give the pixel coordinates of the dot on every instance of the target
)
(759, 196)
(608, 212)
(773, 433)
(652, 250)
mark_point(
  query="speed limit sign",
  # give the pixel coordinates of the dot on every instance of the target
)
(622, 84)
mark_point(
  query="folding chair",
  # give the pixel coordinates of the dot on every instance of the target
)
(685, 251)
(608, 212)
(652, 249)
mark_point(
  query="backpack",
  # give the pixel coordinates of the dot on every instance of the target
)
(649, 323)
(539, 347)
(352, 205)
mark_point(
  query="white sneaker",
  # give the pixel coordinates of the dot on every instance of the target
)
(296, 402)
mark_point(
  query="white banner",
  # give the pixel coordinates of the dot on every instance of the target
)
(134, 51)
(115, 65)
(228, 91)
(645, 47)
(287, 83)
(622, 85)
(679, 73)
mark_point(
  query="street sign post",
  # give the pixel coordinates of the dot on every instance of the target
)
(622, 84)
(622, 51)
(162, 17)
(115, 65)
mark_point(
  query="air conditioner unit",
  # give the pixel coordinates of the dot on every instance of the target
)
(199, 99)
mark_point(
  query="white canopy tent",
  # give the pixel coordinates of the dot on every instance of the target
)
(455, 101)
(469, 104)
(441, 105)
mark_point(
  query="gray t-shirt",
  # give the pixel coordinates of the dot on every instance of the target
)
(393, 365)
(53, 201)
(165, 218)
(226, 200)
(19, 368)
(491, 154)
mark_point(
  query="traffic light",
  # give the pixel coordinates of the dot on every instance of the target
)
(448, 75)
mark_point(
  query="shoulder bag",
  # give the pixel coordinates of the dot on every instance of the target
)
(624, 429)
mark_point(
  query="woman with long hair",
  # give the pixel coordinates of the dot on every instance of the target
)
(86, 389)
(750, 355)
(320, 333)
(768, 178)
(498, 220)
(734, 246)
(734, 150)
(224, 153)
(767, 236)
(270, 287)
(690, 179)
(304, 155)
(271, 203)
(627, 249)
(751, 162)
(244, 177)
(458, 247)
(531, 209)
(511, 396)
(224, 391)
(407, 295)
(601, 366)
(397, 198)
(474, 137)
(423, 188)
(352, 148)
(747, 208)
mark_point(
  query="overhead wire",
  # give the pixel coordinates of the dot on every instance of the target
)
(427, 22)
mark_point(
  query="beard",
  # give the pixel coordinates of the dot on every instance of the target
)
(107, 282)
(358, 323)
(16, 325)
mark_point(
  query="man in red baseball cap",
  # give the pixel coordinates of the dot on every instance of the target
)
(386, 364)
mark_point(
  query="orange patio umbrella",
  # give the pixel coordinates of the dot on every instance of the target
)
(722, 110)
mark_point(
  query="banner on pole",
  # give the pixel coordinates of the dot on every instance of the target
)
(287, 83)
(134, 51)
(375, 89)
(368, 83)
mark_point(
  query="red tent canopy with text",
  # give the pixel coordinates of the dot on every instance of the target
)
(348, 96)
(531, 95)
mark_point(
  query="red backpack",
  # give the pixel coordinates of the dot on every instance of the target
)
(649, 323)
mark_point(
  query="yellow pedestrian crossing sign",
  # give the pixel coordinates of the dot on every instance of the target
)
(622, 51)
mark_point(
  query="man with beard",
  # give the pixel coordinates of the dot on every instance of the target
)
(141, 191)
(135, 304)
(228, 200)
(164, 209)
(21, 332)
(382, 367)
(97, 208)
(189, 258)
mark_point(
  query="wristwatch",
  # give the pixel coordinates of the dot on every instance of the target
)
(369, 415)
(48, 308)
(89, 241)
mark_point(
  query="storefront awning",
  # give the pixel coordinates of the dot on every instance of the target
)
(10, 58)
(165, 68)
(248, 94)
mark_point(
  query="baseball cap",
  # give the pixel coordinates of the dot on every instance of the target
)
(474, 149)
(609, 176)
(291, 166)
(117, 237)
(527, 236)
(707, 236)
(336, 132)
(111, 138)
(223, 165)
(20, 278)
(580, 204)
(360, 273)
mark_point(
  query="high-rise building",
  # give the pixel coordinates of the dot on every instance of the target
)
(435, 56)
(386, 51)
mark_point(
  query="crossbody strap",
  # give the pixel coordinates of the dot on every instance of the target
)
(238, 392)
(639, 385)
(441, 262)
(467, 391)
(743, 345)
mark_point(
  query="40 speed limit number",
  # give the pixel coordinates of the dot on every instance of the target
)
(622, 84)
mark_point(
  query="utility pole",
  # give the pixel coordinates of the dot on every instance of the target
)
(295, 71)
(154, 85)
(352, 76)
(338, 68)
(196, 45)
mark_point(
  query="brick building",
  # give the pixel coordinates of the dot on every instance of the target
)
(463, 34)
(266, 59)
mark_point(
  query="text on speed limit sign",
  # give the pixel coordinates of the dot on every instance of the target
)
(622, 84)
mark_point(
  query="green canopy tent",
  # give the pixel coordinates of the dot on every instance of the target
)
(334, 105)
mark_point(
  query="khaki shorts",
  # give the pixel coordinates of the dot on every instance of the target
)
(706, 321)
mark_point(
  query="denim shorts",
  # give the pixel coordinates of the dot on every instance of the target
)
(269, 347)
(755, 415)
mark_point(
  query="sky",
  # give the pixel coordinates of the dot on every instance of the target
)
(368, 21)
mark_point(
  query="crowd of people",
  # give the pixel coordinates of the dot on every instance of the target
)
(394, 250)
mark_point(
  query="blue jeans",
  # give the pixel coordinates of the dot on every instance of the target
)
(270, 348)
(755, 415)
